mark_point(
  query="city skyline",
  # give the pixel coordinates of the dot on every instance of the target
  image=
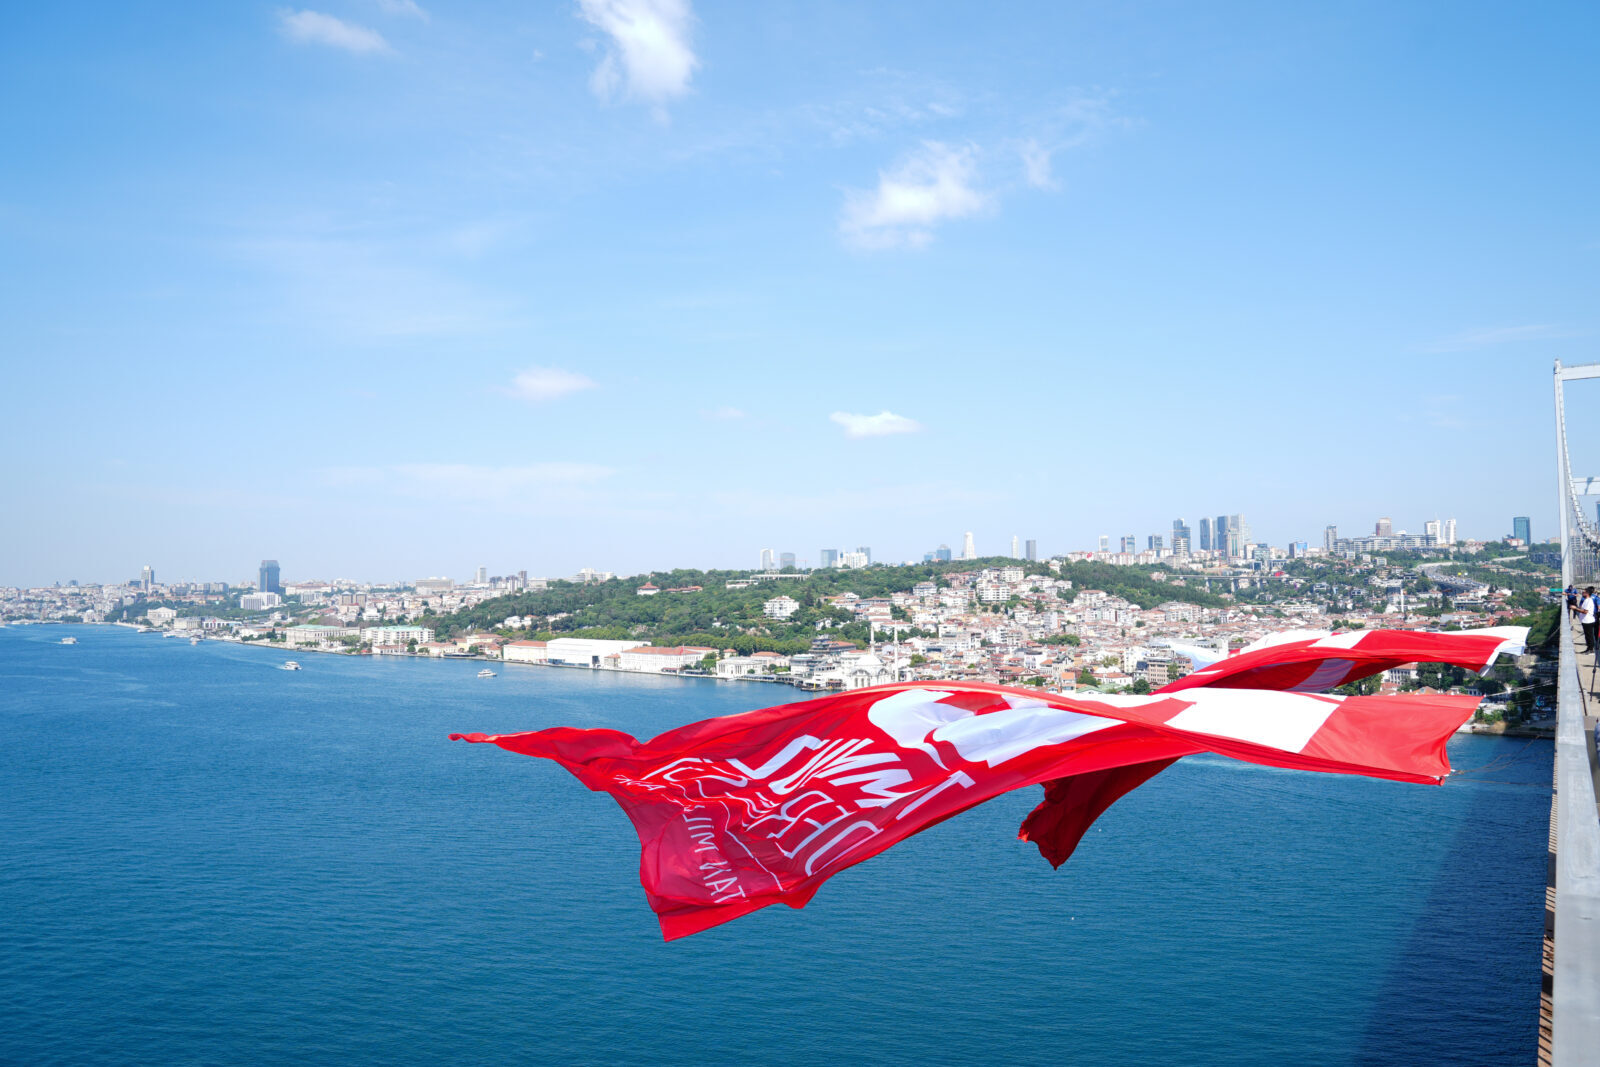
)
(772, 559)
(534, 263)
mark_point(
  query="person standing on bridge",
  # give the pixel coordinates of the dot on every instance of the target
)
(1586, 616)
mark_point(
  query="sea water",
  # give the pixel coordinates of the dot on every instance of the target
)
(206, 859)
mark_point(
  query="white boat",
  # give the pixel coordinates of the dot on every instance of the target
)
(289, 665)
(69, 640)
(194, 640)
(486, 673)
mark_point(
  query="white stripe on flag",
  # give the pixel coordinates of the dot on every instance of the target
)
(1283, 721)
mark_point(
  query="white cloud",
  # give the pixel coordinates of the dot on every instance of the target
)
(313, 27)
(538, 384)
(1036, 164)
(649, 59)
(882, 424)
(931, 185)
(1501, 335)
(406, 8)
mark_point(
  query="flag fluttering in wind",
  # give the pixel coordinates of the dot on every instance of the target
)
(739, 812)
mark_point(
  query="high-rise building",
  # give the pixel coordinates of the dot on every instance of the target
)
(1522, 529)
(1127, 544)
(1449, 532)
(942, 554)
(827, 557)
(1297, 549)
(1330, 534)
(147, 578)
(865, 551)
(1031, 550)
(482, 577)
(1383, 528)
(1219, 535)
(786, 560)
(968, 549)
(1154, 544)
(1105, 542)
(769, 559)
(1205, 535)
(270, 582)
(1180, 537)
(1016, 547)
(1239, 529)
(1431, 529)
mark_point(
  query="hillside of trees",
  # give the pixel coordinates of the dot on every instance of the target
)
(731, 618)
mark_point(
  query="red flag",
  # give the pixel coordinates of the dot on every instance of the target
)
(740, 812)
(1296, 661)
(1315, 661)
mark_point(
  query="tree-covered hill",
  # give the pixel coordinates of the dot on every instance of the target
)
(716, 614)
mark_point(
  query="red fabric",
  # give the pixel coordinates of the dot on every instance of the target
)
(743, 811)
(1313, 666)
(1290, 666)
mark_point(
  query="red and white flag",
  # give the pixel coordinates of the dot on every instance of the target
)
(743, 811)
(1314, 661)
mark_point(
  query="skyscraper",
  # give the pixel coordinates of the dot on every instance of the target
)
(1449, 532)
(827, 557)
(1330, 534)
(1180, 536)
(942, 553)
(786, 560)
(968, 549)
(269, 582)
(1219, 535)
(1205, 535)
(1383, 528)
(1016, 546)
(1105, 542)
(482, 577)
(1154, 544)
(1431, 529)
(1522, 529)
(865, 551)
(1032, 550)
(769, 559)
(147, 578)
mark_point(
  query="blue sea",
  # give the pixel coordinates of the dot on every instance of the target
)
(205, 859)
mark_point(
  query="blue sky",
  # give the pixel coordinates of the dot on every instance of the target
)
(386, 289)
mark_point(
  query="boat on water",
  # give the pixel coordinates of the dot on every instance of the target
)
(194, 640)
(69, 640)
(289, 665)
(486, 673)
(171, 635)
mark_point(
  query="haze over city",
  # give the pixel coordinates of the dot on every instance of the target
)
(390, 289)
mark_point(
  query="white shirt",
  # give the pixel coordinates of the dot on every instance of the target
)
(1586, 610)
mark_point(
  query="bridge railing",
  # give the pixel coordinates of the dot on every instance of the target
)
(1575, 969)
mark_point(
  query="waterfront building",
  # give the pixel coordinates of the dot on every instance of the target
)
(586, 651)
(269, 580)
(526, 652)
(396, 636)
(161, 616)
(653, 659)
(259, 601)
